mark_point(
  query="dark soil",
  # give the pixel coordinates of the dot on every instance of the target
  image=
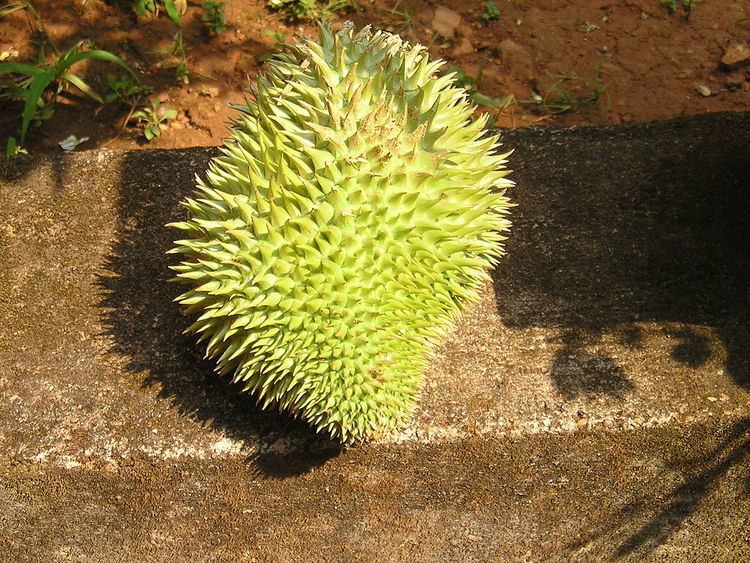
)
(645, 62)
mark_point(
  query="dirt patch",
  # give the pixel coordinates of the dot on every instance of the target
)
(631, 60)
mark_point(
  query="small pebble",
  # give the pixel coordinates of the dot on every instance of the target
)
(704, 91)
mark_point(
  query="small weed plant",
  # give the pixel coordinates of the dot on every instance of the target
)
(214, 16)
(179, 60)
(295, 9)
(154, 119)
(152, 8)
(176, 54)
(687, 6)
(587, 27)
(491, 12)
(39, 85)
(567, 94)
(471, 84)
(125, 89)
(402, 19)
(669, 5)
(309, 10)
(174, 9)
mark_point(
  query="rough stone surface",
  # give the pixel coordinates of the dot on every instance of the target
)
(669, 494)
(463, 47)
(736, 55)
(595, 403)
(445, 22)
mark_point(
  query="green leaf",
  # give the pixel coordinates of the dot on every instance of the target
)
(11, 147)
(66, 62)
(45, 112)
(20, 68)
(173, 12)
(36, 88)
(82, 86)
(483, 100)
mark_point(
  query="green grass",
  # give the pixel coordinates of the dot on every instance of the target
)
(214, 16)
(154, 119)
(491, 12)
(671, 6)
(309, 10)
(38, 85)
(568, 94)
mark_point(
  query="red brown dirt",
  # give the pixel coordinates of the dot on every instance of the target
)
(650, 61)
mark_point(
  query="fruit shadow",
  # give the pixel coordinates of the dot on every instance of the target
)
(148, 326)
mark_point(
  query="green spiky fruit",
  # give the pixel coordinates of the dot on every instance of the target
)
(354, 212)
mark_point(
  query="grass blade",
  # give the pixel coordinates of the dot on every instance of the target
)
(20, 68)
(481, 99)
(173, 12)
(36, 88)
(82, 86)
(66, 62)
(11, 147)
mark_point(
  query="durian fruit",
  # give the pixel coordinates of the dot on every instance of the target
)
(355, 210)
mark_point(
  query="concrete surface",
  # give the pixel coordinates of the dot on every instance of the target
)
(595, 404)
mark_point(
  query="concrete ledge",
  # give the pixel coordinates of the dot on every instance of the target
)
(617, 322)
(669, 493)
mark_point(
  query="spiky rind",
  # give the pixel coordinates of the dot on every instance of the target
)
(356, 209)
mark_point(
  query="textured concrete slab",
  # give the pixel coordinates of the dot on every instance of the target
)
(667, 493)
(611, 348)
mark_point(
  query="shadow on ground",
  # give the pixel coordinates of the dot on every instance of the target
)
(636, 224)
(701, 477)
(646, 523)
(613, 226)
(147, 326)
(633, 224)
